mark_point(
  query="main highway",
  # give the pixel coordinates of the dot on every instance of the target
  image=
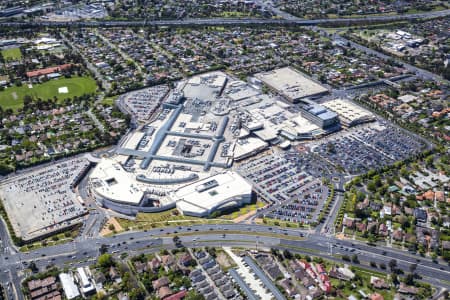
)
(230, 21)
(85, 251)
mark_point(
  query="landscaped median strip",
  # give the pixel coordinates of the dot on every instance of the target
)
(235, 232)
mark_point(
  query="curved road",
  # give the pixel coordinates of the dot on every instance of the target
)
(250, 236)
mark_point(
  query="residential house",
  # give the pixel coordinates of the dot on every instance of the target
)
(163, 281)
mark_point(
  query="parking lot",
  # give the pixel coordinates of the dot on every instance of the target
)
(274, 177)
(305, 204)
(292, 182)
(368, 147)
(42, 201)
(143, 103)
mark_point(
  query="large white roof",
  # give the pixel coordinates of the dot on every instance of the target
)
(247, 146)
(133, 140)
(348, 111)
(225, 186)
(291, 83)
(112, 182)
(69, 287)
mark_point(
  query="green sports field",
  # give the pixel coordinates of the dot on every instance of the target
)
(12, 97)
(12, 54)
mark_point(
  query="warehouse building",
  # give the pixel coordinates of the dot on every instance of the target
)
(292, 84)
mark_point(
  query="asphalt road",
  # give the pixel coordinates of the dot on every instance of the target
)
(250, 236)
(6, 245)
(289, 20)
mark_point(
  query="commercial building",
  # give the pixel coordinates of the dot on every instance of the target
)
(349, 113)
(203, 197)
(86, 286)
(320, 115)
(109, 181)
(247, 147)
(291, 84)
(70, 289)
(299, 128)
(269, 120)
(48, 71)
(219, 121)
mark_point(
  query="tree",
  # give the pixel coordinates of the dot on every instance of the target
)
(412, 268)
(103, 249)
(394, 278)
(111, 227)
(331, 148)
(192, 295)
(371, 186)
(99, 296)
(137, 294)
(5, 168)
(33, 267)
(355, 259)
(409, 279)
(105, 261)
(176, 239)
(287, 254)
(393, 265)
(27, 100)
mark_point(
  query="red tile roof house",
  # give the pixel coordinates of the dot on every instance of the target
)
(349, 223)
(405, 289)
(35, 284)
(376, 296)
(178, 296)
(153, 264)
(382, 230)
(167, 260)
(185, 259)
(164, 292)
(397, 235)
(361, 226)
